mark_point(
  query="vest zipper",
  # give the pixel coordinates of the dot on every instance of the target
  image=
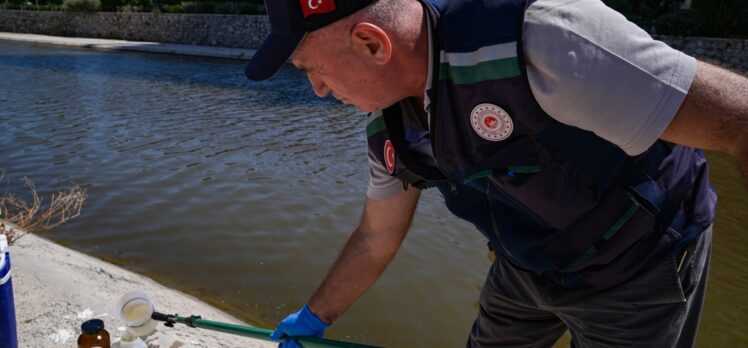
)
(498, 183)
(495, 226)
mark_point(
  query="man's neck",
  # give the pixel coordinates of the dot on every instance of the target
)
(415, 111)
(417, 62)
(422, 50)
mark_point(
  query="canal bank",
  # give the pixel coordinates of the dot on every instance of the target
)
(249, 31)
(56, 289)
(133, 46)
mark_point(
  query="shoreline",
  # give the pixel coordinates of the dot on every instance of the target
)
(132, 46)
(56, 289)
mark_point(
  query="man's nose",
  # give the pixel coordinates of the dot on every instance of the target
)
(319, 87)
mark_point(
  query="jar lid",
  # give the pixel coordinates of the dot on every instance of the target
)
(91, 326)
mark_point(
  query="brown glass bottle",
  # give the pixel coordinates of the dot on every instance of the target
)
(93, 335)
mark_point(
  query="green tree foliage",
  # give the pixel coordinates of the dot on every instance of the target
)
(81, 5)
(127, 5)
(112, 5)
(714, 18)
(721, 17)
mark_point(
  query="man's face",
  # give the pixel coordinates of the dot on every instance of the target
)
(332, 68)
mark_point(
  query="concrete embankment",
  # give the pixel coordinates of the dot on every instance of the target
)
(249, 31)
(239, 31)
(56, 289)
(136, 46)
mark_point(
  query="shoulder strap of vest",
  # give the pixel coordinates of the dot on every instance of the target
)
(637, 175)
(394, 123)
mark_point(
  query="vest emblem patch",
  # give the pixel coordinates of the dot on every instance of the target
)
(389, 156)
(491, 122)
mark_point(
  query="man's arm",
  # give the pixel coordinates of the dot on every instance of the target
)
(366, 254)
(714, 114)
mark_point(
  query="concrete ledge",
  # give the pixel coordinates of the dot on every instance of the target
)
(222, 30)
(137, 46)
(56, 289)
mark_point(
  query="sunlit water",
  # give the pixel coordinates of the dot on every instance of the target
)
(242, 193)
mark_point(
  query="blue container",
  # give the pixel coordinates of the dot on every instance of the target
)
(8, 336)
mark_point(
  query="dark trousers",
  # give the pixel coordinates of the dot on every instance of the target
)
(659, 307)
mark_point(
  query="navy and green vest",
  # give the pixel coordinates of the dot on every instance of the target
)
(551, 198)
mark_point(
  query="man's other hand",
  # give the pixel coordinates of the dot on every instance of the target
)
(301, 323)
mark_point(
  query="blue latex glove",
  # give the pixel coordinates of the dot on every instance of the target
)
(301, 323)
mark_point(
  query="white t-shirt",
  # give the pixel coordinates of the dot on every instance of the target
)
(591, 68)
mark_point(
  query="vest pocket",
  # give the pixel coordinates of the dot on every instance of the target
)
(554, 190)
(611, 234)
(612, 242)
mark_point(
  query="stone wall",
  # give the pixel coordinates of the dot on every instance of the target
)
(730, 53)
(194, 29)
(249, 31)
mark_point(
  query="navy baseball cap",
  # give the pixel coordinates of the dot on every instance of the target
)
(290, 20)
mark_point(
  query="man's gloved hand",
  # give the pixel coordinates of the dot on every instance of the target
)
(301, 323)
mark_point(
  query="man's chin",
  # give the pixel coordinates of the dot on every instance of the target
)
(370, 108)
(365, 108)
(362, 108)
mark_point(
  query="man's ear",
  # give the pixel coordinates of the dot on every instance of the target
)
(370, 41)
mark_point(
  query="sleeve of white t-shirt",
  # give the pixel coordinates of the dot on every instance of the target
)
(591, 68)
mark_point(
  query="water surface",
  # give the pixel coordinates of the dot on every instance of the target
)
(242, 193)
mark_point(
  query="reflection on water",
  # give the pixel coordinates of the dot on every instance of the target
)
(241, 193)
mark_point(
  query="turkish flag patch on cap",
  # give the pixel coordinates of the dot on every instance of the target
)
(310, 7)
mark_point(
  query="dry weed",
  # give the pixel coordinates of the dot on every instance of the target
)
(35, 216)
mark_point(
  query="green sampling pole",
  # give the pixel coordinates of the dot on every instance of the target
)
(248, 331)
